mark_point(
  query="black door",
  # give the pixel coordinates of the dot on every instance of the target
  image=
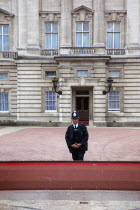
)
(82, 107)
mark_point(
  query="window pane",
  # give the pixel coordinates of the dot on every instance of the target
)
(55, 27)
(78, 39)
(46, 96)
(4, 102)
(48, 27)
(3, 76)
(0, 43)
(110, 27)
(85, 26)
(0, 29)
(50, 101)
(48, 41)
(117, 27)
(114, 101)
(85, 39)
(117, 40)
(54, 97)
(6, 107)
(82, 73)
(114, 73)
(5, 42)
(110, 40)
(50, 96)
(54, 41)
(50, 73)
(5, 29)
(78, 26)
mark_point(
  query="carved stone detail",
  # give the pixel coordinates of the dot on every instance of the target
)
(82, 13)
(115, 15)
(50, 16)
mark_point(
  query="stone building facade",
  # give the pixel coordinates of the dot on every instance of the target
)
(82, 43)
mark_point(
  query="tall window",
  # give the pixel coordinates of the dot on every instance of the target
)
(82, 34)
(114, 101)
(113, 35)
(50, 101)
(4, 105)
(51, 36)
(4, 37)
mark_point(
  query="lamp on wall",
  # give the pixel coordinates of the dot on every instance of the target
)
(55, 85)
(109, 81)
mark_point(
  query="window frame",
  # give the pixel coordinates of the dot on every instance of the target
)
(114, 71)
(82, 71)
(84, 68)
(2, 34)
(7, 76)
(82, 32)
(45, 100)
(45, 43)
(46, 69)
(49, 76)
(6, 111)
(111, 110)
(113, 34)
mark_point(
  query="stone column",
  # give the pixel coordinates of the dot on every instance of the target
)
(66, 24)
(133, 23)
(99, 28)
(22, 25)
(33, 24)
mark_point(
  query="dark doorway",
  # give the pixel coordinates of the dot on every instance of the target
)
(82, 107)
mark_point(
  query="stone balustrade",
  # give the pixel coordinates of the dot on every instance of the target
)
(50, 52)
(80, 51)
(115, 51)
(8, 54)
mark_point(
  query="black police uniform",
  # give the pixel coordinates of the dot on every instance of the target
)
(77, 135)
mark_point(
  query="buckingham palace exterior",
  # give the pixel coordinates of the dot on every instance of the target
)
(81, 43)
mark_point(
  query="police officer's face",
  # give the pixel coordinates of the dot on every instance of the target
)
(75, 121)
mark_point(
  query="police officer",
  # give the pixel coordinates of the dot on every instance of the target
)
(76, 138)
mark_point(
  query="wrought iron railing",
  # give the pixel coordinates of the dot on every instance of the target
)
(8, 54)
(50, 52)
(115, 51)
(82, 50)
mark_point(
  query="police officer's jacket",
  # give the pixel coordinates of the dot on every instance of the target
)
(77, 135)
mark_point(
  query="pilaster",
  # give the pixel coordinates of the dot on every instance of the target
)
(22, 25)
(66, 23)
(133, 22)
(33, 24)
(99, 30)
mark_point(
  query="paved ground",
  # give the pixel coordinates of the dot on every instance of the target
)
(39, 143)
(70, 200)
